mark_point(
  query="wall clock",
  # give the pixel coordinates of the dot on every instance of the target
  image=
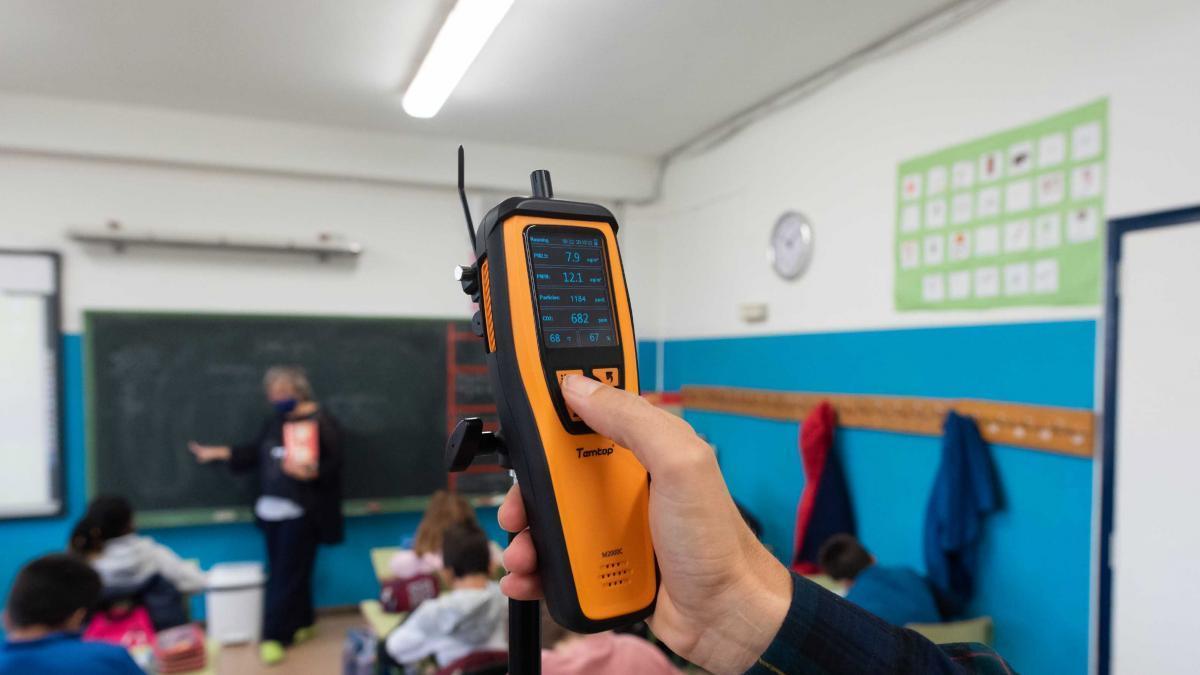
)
(791, 248)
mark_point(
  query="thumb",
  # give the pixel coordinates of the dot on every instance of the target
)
(662, 442)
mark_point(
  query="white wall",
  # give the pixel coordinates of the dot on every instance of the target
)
(79, 164)
(834, 157)
(412, 237)
(75, 163)
(60, 127)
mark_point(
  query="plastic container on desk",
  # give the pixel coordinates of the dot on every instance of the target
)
(234, 602)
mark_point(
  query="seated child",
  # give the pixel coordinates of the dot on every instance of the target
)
(131, 564)
(445, 510)
(609, 653)
(45, 612)
(471, 617)
(897, 595)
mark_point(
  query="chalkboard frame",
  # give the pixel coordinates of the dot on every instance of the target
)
(59, 481)
(239, 514)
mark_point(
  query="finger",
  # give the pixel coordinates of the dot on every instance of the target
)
(511, 514)
(520, 557)
(657, 438)
(522, 586)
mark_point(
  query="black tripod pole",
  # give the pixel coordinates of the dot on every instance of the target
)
(524, 636)
(524, 632)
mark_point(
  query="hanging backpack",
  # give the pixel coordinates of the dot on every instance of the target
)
(404, 595)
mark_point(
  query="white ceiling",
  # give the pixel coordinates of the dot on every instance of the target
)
(628, 76)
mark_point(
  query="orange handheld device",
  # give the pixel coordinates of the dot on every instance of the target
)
(553, 302)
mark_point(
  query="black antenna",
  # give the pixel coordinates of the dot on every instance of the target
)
(462, 194)
(540, 182)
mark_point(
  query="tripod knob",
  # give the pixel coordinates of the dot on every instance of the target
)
(468, 442)
(468, 277)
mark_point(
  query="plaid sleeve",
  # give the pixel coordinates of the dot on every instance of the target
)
(824, 633)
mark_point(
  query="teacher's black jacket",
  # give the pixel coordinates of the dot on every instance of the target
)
(321, 498)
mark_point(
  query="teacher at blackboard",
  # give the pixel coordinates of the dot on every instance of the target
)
(298, 457)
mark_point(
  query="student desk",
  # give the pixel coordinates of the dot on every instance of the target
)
(379, 621)
(979, 630)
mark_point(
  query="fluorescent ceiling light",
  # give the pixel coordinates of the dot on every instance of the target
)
(467, 29)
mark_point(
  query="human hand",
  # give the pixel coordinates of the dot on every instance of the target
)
(209, 453)
(299, 470)
(723, 596)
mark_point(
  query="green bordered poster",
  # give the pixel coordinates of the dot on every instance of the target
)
(1013, 219)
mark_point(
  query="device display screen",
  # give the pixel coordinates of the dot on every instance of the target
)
(570, 281)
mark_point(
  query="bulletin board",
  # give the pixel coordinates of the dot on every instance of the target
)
(1012, 219)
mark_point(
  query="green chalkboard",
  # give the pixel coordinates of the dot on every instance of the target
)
(157, 381)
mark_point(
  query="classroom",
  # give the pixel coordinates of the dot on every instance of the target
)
(598, 336)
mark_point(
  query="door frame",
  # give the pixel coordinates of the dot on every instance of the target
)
(1117, 229)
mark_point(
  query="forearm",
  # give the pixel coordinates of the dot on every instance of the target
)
(824, 633)
(244, 458)
(186, 576)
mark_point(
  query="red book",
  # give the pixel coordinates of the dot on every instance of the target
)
(301, 441)
(180, 649)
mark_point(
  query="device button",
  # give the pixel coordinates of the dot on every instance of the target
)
(562, 374)
(609, 376)
(477, 325)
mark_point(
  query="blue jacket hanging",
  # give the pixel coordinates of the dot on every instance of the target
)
(964, 492)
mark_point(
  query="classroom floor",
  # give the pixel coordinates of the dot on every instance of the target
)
(319, 656)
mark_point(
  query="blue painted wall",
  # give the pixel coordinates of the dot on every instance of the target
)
(343, 574)
(1034, 574)
(1035, 563)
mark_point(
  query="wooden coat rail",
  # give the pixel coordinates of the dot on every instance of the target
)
(1064, 430)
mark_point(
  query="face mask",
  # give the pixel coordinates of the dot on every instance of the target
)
(284, 407)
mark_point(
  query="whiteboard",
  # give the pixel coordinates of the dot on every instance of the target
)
(1156, 501)
(30, 437)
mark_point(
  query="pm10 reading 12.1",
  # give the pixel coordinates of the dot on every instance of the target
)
(570, 278)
